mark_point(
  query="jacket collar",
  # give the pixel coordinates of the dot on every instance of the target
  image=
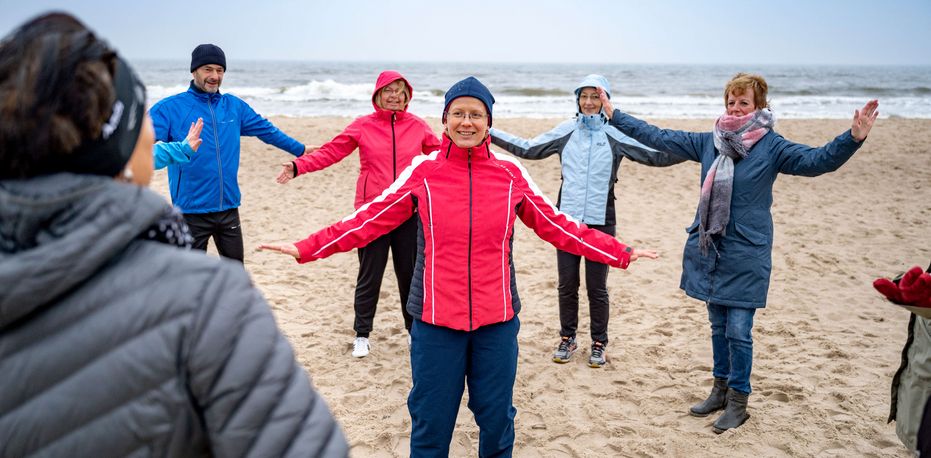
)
(382, 113)
(453, 152)
(591, 122)
(193, 89)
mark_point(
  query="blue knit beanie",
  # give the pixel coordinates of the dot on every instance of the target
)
(207, 54)
(470, 87)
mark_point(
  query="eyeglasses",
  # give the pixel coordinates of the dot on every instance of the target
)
(390, 91)
(460, 115)
(592, 97)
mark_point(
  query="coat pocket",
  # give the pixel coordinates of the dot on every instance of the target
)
(693, 227)
(752, 236)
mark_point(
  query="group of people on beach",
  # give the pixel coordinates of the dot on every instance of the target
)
(121, 343)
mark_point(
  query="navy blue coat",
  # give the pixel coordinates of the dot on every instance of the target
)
(735, 272)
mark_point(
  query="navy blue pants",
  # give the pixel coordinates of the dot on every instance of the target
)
(443, 360)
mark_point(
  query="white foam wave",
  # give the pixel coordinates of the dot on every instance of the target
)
(331, 98)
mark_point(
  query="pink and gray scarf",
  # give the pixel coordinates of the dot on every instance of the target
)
(733, 138)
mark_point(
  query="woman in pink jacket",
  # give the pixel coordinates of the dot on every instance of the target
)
(388, 141)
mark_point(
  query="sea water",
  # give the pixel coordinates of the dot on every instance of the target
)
(283, 88)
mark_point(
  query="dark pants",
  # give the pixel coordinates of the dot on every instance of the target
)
(442, 360)
(372, 261)
(223, 226)
(732, 344)
(596, 282)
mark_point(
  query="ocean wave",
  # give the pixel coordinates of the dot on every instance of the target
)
(330, 98)
(531, 91)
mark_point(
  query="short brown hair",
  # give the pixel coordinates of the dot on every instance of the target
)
(56, 91)
(743, 81)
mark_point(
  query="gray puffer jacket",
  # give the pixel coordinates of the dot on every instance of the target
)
(115, 346)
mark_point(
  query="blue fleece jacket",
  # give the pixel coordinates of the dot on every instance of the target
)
(209, 182)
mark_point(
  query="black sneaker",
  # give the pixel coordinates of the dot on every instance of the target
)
(564, 351)
(598, 358)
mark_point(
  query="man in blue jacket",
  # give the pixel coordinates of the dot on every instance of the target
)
(206, 189)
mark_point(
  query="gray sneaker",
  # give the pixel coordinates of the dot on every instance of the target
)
(564, 351)
(598, 357)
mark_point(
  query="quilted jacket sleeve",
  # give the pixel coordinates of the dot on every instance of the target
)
(256, 400)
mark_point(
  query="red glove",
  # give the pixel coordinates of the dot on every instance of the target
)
(913, 289)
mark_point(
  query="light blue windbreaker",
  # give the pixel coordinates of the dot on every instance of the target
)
(590, 151)
(172, 153)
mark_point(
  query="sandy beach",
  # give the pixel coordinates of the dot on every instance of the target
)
(826, 345)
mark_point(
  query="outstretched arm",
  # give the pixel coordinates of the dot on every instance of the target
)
(539, 147)
(321, 157)
(374, 219)
(167, 153)
(567, 234)
(687, 145)
(254, 125)
(638, 152)
(797, 159)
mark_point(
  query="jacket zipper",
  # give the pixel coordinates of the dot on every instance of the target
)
(394, 150)
(216, 141)
(588, 168)
(178, 186)
(470, 239)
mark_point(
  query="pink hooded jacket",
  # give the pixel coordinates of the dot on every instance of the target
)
(388, 142)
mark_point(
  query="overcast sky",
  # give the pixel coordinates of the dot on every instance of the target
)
(663, 31)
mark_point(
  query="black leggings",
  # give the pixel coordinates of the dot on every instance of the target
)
(223, 226)
(373, 258)
(596, 282)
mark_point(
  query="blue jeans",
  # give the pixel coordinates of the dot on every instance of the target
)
(443, 360)
(732, 344)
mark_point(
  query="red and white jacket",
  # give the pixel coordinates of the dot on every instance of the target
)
(467, 201)
(387, 140)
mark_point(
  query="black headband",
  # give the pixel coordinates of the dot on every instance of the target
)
(109, 153)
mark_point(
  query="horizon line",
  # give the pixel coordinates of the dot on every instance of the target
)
(745, 64)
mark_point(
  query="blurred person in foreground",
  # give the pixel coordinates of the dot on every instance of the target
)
(114, 340)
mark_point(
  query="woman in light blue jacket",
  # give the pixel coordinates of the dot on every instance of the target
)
(590, 152)
(727, 259)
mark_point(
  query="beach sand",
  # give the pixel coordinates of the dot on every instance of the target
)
(826, 345)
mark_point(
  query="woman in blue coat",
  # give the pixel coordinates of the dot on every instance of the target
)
(727, 259)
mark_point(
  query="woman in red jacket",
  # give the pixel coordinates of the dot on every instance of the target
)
(465, 200)
(388, 141)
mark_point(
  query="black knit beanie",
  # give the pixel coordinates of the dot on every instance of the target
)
(207, 54)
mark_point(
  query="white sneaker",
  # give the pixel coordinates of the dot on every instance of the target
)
(360, 347)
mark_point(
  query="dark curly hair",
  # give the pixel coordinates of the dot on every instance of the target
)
(56, 92)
